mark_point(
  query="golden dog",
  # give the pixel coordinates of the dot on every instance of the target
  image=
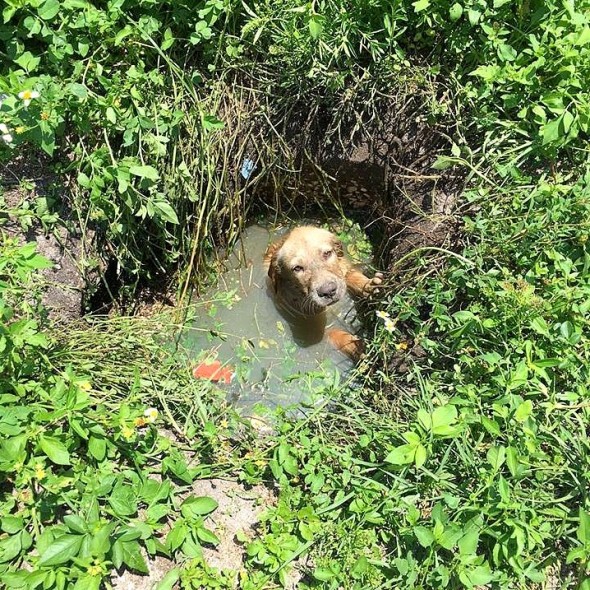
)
(308, 272)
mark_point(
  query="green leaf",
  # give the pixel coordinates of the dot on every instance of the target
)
(401, 455)
(315, 26)
(212, 123)
(166, 211)
(12, 524)
(61, 550)
(583, 530)
(524, 410)
(75, 523)
(487, 73)
(176, 536)
(424, 536)
(97, 447)
(207, 536)
(54, 449)
(111, 115)
(123, 500)
(496, 457)
(49, 9)
(197, 506)
(168, 582)
(129, 553)
(421, 5)
(78, 90)
(512, 460)
(455, 12)
(468, 543)
(148, 172)
(420, 455)
(27, 61)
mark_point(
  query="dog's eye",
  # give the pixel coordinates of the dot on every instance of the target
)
(297, 268)
(328, 253)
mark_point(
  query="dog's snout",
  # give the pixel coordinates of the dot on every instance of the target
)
(328, 290)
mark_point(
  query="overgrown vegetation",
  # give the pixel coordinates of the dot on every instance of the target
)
(470, 468)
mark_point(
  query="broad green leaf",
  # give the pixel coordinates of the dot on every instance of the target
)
(524, 410)
(177, 535)
(54, 449)
(75, 523)
(315, 26)
(487, 73)
(421, 5)
(129, 553)
(496, 456)
(61, 550)
(49, 9)
(424, 536)
(455, 12)
(166, 211)
(198, 506)
(401, 455)
(168, 582)
(212, 123)
(12, 524)
(27, 61)
(420, 456)
(207, 536)
(123, 500)
(78, 90)
(148, 172)
(97, 447)
(468, 543)
(512, 460)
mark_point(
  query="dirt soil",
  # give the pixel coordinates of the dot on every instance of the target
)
(239, 511)
(29, 191)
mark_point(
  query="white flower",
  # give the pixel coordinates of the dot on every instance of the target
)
(390, 325)
(151, 415)
(27, 96)
(382, 315)
(6, 135)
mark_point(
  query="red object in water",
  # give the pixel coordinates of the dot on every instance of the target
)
(214, 371)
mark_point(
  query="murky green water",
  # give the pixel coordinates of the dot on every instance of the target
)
(241, 327)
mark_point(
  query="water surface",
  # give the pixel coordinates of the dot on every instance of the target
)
(275, 365)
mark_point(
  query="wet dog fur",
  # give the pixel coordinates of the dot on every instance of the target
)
(308, 272)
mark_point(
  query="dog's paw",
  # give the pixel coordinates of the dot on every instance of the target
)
(372, 285)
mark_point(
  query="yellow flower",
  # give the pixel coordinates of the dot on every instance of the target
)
(127, 432)
(140, 421)
(402, 346)
(27, 96)
(94, 570)
(223, 423)
(151, 415)
(44, 116)
(20, 129)
(85, 385)
(39, 471)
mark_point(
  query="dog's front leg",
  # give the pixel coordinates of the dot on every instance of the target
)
(360, 285)
(347, 343)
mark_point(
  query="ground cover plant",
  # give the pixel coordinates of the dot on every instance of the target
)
(468, 469)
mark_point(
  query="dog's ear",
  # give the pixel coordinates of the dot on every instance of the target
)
(271, 257)
(338, 248)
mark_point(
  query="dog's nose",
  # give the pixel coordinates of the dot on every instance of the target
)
(328, 290)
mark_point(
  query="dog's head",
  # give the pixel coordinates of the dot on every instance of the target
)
(306, 270)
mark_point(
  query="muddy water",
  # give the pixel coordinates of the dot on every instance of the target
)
(275, 362)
